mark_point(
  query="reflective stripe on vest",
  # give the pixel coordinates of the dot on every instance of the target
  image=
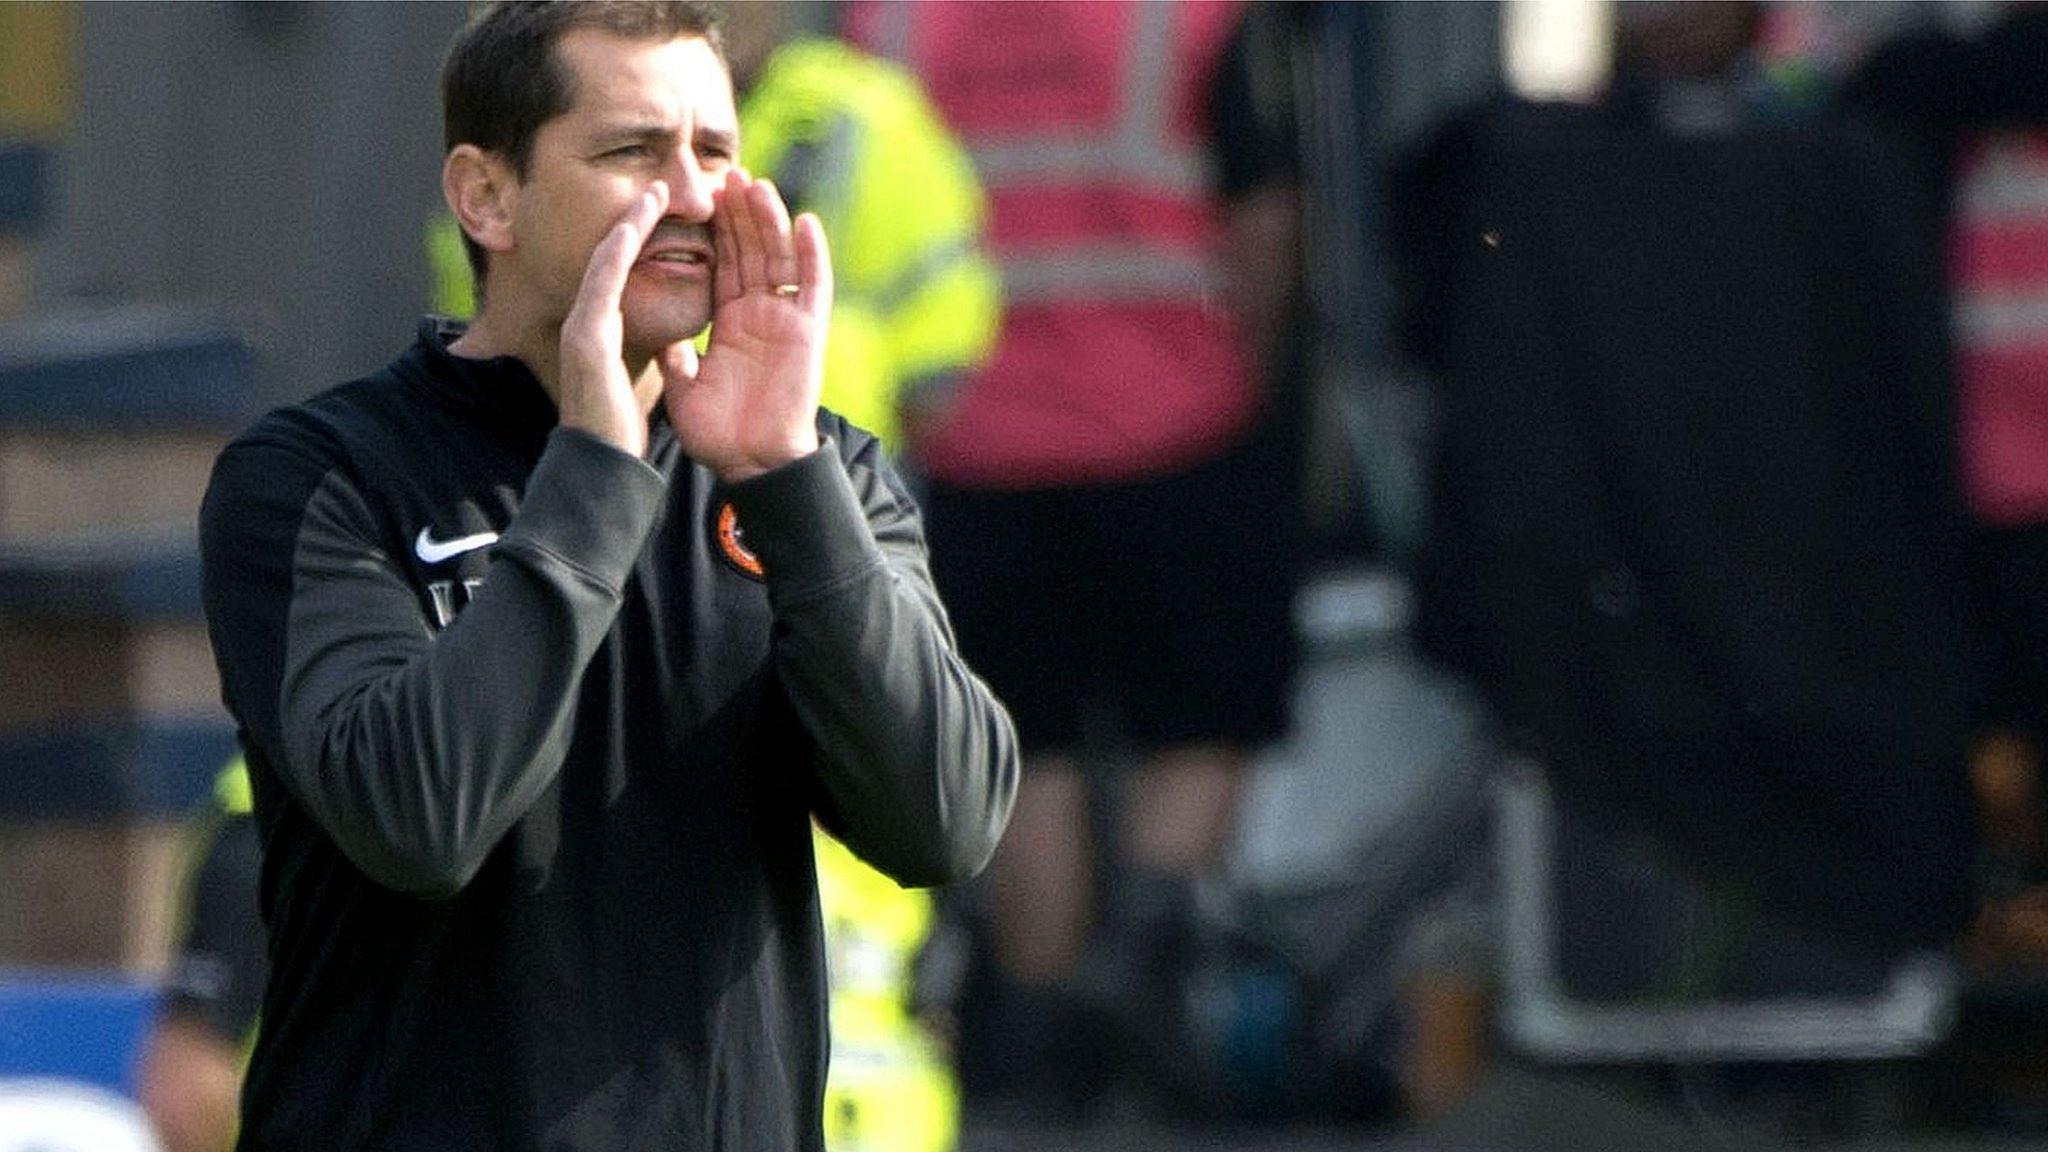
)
(2000, 246)
(1994, 319)
(2006, 179)
(1109, 273)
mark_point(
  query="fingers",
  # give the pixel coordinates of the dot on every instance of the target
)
(753, 238)
(747, 233)
(813, 265)
(725, 241)
(604, 278)
(772, 217)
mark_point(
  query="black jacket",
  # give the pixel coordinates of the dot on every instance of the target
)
(1696, 528)
(535, 759)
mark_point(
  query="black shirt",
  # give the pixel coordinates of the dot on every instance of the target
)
(535, 757)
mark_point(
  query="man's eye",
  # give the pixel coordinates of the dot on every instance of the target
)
(633, 150)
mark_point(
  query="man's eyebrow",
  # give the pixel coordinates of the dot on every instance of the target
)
(726, 138)
(633, 131)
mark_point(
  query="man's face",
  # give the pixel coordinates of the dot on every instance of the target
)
(640, 111)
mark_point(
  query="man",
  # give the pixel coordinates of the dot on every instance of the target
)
(190, 1073)
(541, 695)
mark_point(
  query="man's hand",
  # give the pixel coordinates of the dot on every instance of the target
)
(752, 403)
(595, 393)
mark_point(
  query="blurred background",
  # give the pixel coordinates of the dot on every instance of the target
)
(1638, 413)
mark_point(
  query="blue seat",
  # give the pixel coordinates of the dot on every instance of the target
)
(78, 1026)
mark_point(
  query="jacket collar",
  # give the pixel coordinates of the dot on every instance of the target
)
(497, 390)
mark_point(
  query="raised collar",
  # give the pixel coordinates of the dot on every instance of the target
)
(498, 390)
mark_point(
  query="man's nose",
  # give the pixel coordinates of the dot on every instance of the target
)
(690, 186)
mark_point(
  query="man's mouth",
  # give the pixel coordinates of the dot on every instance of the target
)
(676, 246)
(677, 257)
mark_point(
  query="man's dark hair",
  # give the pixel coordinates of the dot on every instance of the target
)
(502, 80)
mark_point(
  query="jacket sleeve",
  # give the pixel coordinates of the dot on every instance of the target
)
(917, 758)
(414, 751)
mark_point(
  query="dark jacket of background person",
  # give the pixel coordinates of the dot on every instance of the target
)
(1939, 87)
(1695, 530)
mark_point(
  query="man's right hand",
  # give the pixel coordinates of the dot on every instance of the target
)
(595, 394)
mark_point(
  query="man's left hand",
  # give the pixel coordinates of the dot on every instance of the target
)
(751, 403)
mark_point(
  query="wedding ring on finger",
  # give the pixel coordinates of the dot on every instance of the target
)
(784, 289)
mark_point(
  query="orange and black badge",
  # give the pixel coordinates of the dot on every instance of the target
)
(725, 533)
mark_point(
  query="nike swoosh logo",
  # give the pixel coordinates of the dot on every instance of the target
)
(434, 551)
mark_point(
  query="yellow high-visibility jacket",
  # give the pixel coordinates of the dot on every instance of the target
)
(854, 139)
(890, 1087)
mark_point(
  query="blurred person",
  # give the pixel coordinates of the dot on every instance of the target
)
(1114, 521)
(1694, 529)
(547, 643)
(191, 1064)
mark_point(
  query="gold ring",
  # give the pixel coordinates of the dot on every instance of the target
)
(786, 289)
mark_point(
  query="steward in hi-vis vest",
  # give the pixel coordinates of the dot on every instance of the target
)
(853, 139)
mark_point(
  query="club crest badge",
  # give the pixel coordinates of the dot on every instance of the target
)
(732, 546)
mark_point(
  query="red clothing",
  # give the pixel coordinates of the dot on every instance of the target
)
(2000, 271)
(1089, 126)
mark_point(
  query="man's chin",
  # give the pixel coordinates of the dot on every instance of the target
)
(657, 328)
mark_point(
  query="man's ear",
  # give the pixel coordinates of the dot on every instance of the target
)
(483, 193)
